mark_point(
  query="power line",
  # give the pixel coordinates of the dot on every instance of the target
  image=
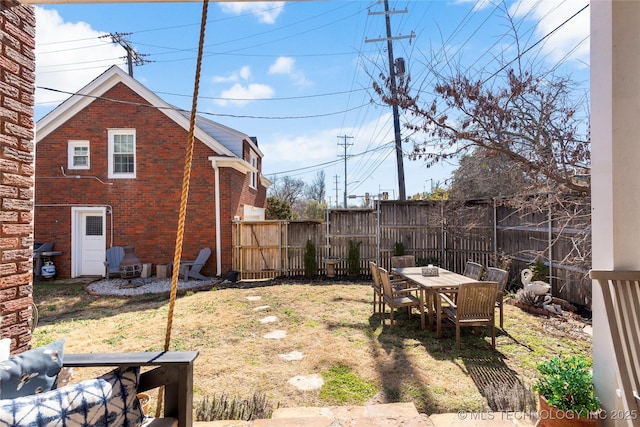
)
(133, 57)
(536, 43)
(240, 116)
(286, 98)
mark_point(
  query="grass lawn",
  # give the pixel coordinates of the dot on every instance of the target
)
(331, 324)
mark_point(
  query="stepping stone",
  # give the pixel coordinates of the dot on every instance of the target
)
(307, 382)
(262, 308)
(290, 357)
(254, 298)
(269, 319)
(276, 335)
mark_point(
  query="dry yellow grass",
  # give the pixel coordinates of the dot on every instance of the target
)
(330, 323)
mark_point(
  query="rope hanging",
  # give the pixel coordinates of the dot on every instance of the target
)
(185, 193)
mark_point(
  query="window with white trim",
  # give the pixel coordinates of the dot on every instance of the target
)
(253, 176)
(78, 155)
(122, 153)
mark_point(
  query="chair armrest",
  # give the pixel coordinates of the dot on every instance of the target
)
(174, 370)
(399, 283)
(406, 291)
(447, 300)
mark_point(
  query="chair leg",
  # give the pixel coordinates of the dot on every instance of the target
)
(438, 319)
(458, 335)
(422, 325)
(501, 316)
(493, 335)
(391, 309)
(374, 301)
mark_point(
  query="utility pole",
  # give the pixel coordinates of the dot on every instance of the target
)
(336, 177)
(392, 76)
(133, 57)
(345, 145)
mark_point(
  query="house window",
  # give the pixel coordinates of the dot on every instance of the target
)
(122, 153)
(253, 176)
(78, 157)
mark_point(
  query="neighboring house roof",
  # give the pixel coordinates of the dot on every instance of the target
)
(230, 138)
(221, 139)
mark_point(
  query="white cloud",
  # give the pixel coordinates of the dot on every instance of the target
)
(283, 65)
(242, 95)
(286, 66)
(266, 11)
(321, 145)
(68, 56)
(572, 39)
(243, 74)
(479, 4)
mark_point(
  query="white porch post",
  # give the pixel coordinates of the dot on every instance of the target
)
(615, 136)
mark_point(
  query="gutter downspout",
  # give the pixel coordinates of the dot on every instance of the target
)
(216, 170)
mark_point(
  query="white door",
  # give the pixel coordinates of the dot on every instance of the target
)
(89, 249)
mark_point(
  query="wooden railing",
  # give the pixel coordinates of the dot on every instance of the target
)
(173, 370)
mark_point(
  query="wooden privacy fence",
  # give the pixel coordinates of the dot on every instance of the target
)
(446, 233)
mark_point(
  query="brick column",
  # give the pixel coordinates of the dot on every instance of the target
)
(17, 79)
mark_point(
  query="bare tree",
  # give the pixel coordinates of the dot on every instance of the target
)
(523, 125)
(525, 113)
(317, 189)
(486, 175)
(531, 120)
(287, 189)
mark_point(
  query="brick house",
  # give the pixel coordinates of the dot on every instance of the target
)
(109, 165)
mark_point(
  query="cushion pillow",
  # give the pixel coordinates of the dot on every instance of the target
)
(109, 400)
(31, 372)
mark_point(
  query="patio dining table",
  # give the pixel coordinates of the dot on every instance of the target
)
(445, 281)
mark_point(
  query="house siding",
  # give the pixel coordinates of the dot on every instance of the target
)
(17, 79)
(144, 210)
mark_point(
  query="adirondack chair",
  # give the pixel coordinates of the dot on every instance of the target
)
(191, 269)
(114, 258)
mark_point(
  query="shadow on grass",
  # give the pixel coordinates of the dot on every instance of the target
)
(500, 385)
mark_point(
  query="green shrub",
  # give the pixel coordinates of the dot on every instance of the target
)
(540, 271)
(310, 260)
(398, 249)
(353, 258)
(567, 384)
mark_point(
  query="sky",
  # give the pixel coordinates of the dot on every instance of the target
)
(299, 75)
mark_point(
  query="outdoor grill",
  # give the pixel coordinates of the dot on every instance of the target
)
(130, 266)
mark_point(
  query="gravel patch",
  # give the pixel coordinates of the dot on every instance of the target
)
(152, 285)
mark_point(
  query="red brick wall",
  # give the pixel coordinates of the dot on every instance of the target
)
(145, 209)
(17, 78)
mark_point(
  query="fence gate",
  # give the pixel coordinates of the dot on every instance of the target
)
(258, 249)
